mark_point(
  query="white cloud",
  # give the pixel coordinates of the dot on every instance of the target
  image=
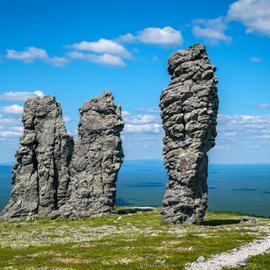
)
(7, 121)
(141, 119)
(141, 123)
(103, 46)
(105, 59)
(127, 38)
(12, 109)
(57, 61)
(166, 36)
(10, 127)
(151, 127)
(17, 129)
(236, 127)
(231, 128)
(255, 59)
(67, 118)
(20, 95)
(212, 30)
(9, 134)
(253, 14)
(125, 114)
(161, 36)
(30, 54)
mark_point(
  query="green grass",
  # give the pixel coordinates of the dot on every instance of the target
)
(133, 241)
(260, 262)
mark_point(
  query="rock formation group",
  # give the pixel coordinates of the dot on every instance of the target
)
(54, 176)
(58, 176)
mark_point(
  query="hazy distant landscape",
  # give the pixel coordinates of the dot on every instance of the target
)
(241, 188)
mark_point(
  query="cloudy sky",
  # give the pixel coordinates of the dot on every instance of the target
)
(76, 50)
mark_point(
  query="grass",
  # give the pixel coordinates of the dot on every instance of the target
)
(260, 262)
(132, 241)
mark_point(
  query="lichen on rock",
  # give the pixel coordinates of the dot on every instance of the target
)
(52, 177)
(97, 158)
(41, 175)
(189, 107)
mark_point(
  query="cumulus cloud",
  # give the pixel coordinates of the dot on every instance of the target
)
(253, 14)
(139, 128)
(10, 134)
(20, 95)
(127, 38)
(141, 119)
(12, 109)
(243, 128)
(7, 121)
(103, 46)
(67, 119)
(30, 54)
(161, 36)
(104, 59)
(10, 127)
(57, 61)
(141, 123)
(166, 36)
(212, 30)
(231, 128)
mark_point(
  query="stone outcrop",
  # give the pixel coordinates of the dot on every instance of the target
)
(52, 177)
(97, 158)
(189, 109)
(41, 175)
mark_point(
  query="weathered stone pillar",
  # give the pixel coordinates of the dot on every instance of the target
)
(97, 158)
(40, 176)
(189, 108)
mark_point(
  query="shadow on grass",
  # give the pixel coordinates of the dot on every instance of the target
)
(218, 222)
(132, 210)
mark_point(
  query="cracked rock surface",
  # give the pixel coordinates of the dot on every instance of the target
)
(41, 175)
(189, 107)
(52, 177)
(97, 158)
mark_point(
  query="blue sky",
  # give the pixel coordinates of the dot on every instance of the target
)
(76, 49)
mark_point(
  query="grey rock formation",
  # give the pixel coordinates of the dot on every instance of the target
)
(51, 177)
(189, 108)
(97, 158)
(41, 175)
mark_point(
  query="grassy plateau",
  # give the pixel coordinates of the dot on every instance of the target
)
(124, 241)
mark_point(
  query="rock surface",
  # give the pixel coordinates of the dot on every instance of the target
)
(51, 176)
(41, 175)
(97, 158)
(234, 258)
(189, 108)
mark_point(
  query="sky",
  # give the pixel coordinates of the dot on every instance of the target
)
(76, 49)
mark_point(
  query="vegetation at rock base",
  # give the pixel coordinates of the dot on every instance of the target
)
(127, 241)
(260, 262)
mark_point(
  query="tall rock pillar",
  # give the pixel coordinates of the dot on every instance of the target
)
(97, 158)
(40, 176)
(189, 107)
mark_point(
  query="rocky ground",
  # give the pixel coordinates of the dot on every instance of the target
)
(129, 241)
